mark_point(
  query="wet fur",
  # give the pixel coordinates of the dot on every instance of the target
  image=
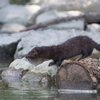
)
(75, 46)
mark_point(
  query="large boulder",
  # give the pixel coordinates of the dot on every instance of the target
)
(70, 76)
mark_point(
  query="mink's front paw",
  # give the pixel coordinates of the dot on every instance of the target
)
(51, 63)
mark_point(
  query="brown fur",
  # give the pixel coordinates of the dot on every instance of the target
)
(75, 46)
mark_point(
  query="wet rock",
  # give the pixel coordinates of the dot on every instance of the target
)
(73, 76)
(36, 80)
(12, 28)
(22, 72)
(10, 75)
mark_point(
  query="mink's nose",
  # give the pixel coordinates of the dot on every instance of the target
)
(27, 56)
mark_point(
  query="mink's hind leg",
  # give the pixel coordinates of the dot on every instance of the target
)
(86, 53)
(56, 62)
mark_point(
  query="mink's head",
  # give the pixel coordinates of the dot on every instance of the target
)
(37, 52)
(33, 53)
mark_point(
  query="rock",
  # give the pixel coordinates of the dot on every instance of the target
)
(83, 5)
(36, 80)
(42, 38)
(12, 28)
(11, 75)
(44, 68)
(7, 52)
(21, 64)
(53, 14)
(4, 3)
(34, 67)
(8, 45)
(17, 14)
(93, 27)
(70, 76)
(12, 78)
(24, 72)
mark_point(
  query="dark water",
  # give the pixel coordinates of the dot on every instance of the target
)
(43, 94)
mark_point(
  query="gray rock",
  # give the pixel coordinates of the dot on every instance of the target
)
(7, 51)
(8, 45)
(17, 14)
(11, 75)
(93, 27)
(12, 28)
(36, 77)
(83, 5)
(36, 80)
(4, 3)
(54, 14)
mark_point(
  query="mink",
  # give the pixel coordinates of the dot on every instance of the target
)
(79, 45)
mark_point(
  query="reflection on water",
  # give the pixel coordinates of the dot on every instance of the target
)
(43, 94)
(11, 94)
